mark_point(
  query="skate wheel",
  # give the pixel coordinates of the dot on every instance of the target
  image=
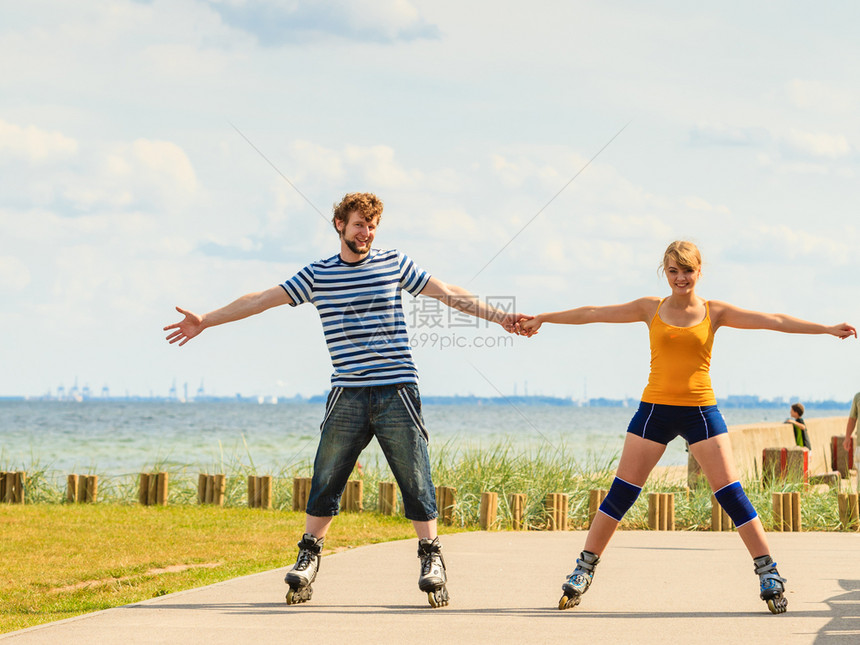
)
(295, 596)
(568, 602)
(438, 598)
(777, 605)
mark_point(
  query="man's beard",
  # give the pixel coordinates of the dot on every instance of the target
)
(352, 245)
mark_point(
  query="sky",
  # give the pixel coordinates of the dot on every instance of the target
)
(185, 152)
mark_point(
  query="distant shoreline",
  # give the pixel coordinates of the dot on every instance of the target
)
(733, 402)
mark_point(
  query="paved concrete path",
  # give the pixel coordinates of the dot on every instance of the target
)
(651, 587)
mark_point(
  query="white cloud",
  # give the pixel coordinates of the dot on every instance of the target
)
(279, 22)
(14, 274)
(142, 173)
(699, 204)
(820, 96)
(722, 134)
(818, 144)
(522, 167)
(768, 242)
(34, 145)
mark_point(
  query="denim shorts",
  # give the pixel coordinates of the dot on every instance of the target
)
(662, 423)
(353, 416)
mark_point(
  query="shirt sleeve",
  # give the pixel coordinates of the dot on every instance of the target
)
(300, 287)
(855, 407)
(412, 277)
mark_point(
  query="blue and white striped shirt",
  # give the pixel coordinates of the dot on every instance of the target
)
(362, 314)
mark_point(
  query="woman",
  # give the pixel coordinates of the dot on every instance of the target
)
(679, 400)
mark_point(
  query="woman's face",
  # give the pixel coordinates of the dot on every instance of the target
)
(681, 281)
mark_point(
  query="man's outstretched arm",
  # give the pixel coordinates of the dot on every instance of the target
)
(461, 300)
(247, 305)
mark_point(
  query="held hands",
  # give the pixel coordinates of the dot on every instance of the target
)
(511, 323)
(529, 327)
(187, 329)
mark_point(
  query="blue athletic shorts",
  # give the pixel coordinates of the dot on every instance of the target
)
(662, 423)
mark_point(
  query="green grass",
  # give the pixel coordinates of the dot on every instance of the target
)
(64, 560)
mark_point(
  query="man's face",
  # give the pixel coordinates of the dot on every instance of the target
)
(358, 233)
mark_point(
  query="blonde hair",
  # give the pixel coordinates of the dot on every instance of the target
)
(685, 254)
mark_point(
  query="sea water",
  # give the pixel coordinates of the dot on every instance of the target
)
(123, 437)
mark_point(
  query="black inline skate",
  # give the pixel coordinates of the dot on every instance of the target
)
(578, 581)
(433, 577)
(772, 587)
(304, 571)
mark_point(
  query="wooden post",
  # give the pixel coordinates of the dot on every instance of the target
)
(219, 489)
(353, 496)
(20, 486)
(694, 471)
(253, 486)
(92, 488)
(445, 496)
(301, 490)
(595, 499)
(266, 492)
(787, 516)
(161, 489)
(488, 510)
(72, 489)
(81, 493)
(2, 486)
(831, 479)
(152, 494)
(654, 511)
(387, 498)
(557, 509)
(143, 490)
(517, 503)
(258, 491)
(848, 511)
(777, 512)
(667, 511)
(796, 522)
(840, 459)
(779, 464)
(9, 479)
(202, 481)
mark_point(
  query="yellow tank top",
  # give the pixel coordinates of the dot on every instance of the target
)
(680, 363)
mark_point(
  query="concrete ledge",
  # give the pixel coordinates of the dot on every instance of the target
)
(749, 440)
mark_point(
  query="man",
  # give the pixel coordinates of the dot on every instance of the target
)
(374, 385)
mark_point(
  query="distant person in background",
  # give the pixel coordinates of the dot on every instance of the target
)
(679, 400)
(801, 436)
(852, 423)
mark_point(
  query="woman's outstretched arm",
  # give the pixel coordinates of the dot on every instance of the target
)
(725, 315)
(641, 310)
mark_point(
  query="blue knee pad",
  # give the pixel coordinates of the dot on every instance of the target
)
(736, 503)
(619, 499)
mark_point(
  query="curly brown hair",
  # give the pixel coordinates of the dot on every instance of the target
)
(368, 204)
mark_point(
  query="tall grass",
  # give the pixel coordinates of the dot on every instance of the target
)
(471, 470)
